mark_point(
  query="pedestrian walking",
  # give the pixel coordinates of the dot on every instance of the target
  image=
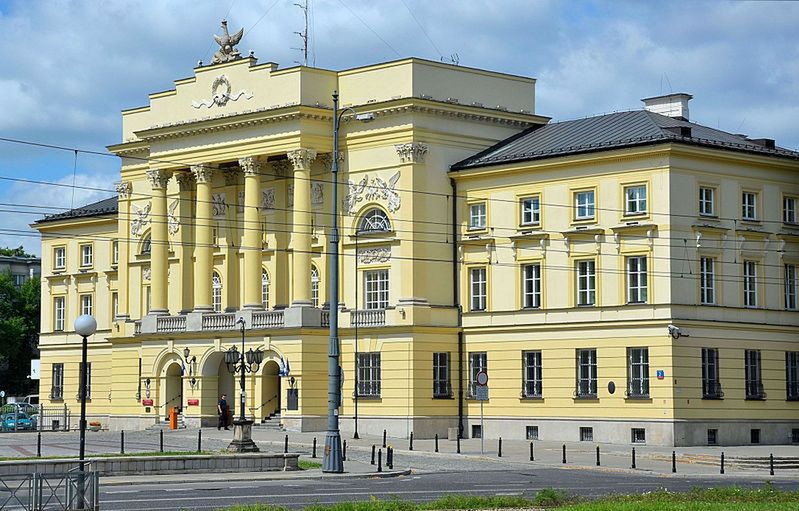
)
(222, 409)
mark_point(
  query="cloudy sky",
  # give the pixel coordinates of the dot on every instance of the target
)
(69, 67)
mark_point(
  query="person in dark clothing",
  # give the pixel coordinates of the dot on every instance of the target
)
(222, 409)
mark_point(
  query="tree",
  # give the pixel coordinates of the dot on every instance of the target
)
(15, 252)
(19, 332)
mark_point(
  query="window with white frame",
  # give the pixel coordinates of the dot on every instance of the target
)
(586, 373)
(114, 305)
(477, 287)
(707, 281)
(478, 362)
(86, 304)
(86, 256)
(531, 375)
(636, 279)
(216, 292)
(57, 385)
(750, 284)
(791, 287)
(753, 375)
(115, 252)
(59, 313)
(264, 289)
(792, 375)
(789, 210)
(584, 205)
(711, 386)
(442, 386)
(375, 289)
(749, 206)
(477, 215)
(315, 286)
(707, 201)
(531, 210)
(531, 286)
(375, 220)
(637, 372)
(635, 200)
(586, 282)
(369, 374)
(59, 258)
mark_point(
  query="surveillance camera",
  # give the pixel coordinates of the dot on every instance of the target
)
(674, 331)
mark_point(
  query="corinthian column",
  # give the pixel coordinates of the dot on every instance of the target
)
(252, 233)
(301, 230)
(203, 243)
(159, 243)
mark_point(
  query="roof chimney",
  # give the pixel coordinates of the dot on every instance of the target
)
(671, 105)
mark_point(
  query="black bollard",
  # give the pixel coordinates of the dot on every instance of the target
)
(344, 452)
(459, 444)
(436, 442)
(597, 456)
(384, 439)
(161, 438)
(373, 454)
(564, 453)
(286, 445)
(633, 464)
(499, 448)
(39, 445)
(532, 453)
(721, 467)
(410, 444)
(380, 460)
(122, 442)
(771, 464)
(390, 458)
(199, 440)
(673, 462)
(313, 455)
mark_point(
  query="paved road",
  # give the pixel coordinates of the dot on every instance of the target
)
(418, 487)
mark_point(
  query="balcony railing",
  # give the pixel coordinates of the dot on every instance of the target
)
(325, 318)
(755, 390)
(170, 324)
(136, 327)
(711, 389)
(224, 321)
(369, 317)
(267, 319)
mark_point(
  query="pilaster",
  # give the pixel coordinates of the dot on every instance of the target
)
(182, 228)
(233, 240)
(124, 190)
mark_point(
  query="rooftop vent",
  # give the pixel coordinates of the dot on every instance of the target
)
(768, 143)
(671, 105)
(683, 131)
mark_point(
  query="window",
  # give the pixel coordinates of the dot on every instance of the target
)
(531, 210)
(636, 279)
(88, 386)
(750, 284)
(789, 210)
(216, 293)
(86, 304)
(749, 206)
(477, 431)
(586, 373)
(531, 286)
(146, 246)
(531, 377)
(791, 286)
(369, 374)
(584, 205)
(374, 221)
(441, 382)
(795, 435)
(114, 305)
(59, 258)
(115, 252)
(638, 435)
(586, 434)
(635, 200)
(315, 286)
(754, 436)
(638, 372)
(86, 256)
(712, 436)
(148, 295)
(477, 362)
(754, 381)
(707, 201)
(375, 289)
(264, 289)
(707, 281)
(19, 280)
(477, 215)
(532, 433)
(586, 283)
(57, 386)
(792, 375)
(711, 386)
(478, 289)
(59, 313)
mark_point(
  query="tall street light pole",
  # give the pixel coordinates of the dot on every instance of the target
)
(245, 363)
(333, 461)
(85, 326)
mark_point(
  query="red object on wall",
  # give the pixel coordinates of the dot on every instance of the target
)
(194, 402)
(147, 402)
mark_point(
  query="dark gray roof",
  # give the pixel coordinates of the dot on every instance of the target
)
(613, 131)
(103, 207)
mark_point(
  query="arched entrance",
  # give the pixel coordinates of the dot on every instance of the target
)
(270, 390)
(226, 384)
(173, 389)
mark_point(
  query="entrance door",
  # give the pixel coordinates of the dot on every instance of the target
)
(270, 390)
(173, 389)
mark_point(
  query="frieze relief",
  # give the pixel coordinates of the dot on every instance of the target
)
(373, 189)
(141, 217)
(241, 202)
(374, 255)
(290, 195)
(268, 199)
(317, 193)
(218, 204)
(173, 224)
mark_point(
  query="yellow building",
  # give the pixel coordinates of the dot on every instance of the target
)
(563, 259)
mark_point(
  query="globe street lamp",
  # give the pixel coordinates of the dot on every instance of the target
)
(242, 363)
(85, 326)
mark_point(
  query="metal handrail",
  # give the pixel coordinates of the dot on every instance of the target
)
(253, 409)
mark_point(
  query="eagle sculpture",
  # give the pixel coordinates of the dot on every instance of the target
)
(227, 43)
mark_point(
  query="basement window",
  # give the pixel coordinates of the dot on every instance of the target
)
(532, 432)
(477, 431)
(638, 435)
(586, 434)
(754, 436)
(712, 437)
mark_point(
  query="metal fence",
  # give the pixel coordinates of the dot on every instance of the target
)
(34, 418)
(50, 492)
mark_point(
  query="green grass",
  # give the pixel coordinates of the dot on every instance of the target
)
(307, 464)
(116, 454)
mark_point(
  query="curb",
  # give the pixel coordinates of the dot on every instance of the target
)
(253, 476)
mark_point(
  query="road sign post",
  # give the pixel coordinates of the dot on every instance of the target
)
(481, 393)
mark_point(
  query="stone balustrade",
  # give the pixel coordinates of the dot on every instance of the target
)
(170, 324)
(267, 319)
(224, 321)
(369, 317)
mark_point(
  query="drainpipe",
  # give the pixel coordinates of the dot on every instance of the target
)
(456, 301)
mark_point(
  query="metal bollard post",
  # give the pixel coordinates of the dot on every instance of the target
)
(436, 442)
(564, 453)
(721, 467)
(39, 445)
(633, 464)
(161, 440)
(771, 464)
(532, 453)
(410, 444)
(344, 451)
(598, 464)
(373, 454)
(199, 440)
(380, 460)
(390, 457)
(286, 445)
(499, 448)
(313, 455)
(384, 439)
(459, 444)
(122, 442)
(673, 462)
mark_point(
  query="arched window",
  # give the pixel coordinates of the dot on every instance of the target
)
(146, 246)
(375, 220)
(216, 292)
(265, 289)
(315, 286)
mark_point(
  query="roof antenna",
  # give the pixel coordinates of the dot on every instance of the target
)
(304, 34)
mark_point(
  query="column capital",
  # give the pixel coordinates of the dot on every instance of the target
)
(250, 165)
(412, 152)
(185, 181)
(124, 189)
(326, 159)
(202, 172)
(302, 158)
(158, 178)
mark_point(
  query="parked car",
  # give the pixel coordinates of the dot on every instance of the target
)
(32, 399)
(23, 422)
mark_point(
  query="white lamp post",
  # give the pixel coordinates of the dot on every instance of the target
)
(85, 326)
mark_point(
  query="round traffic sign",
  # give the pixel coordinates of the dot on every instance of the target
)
(482, 378)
